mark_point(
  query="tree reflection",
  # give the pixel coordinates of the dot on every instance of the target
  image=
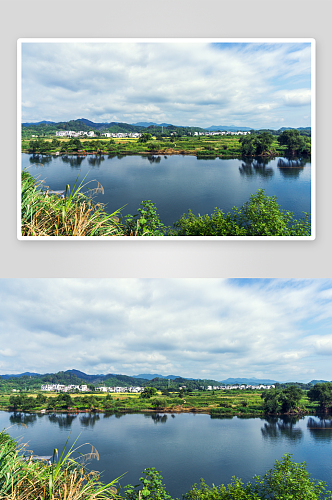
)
(276, 428)
(291, 167)
(153, 158)
(321, 429)
(256, 167)
(23, 418)
(95, 161)
(157, 418)
(40, 160)
(73, 161)
(89, 419)
(63, 421)
(222, 417)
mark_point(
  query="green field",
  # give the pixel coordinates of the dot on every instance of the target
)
(219, 402)
(202, 146)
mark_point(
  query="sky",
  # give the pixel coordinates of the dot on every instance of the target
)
(196, 328)
(256, 85)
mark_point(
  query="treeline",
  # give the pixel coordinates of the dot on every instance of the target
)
(262, 143)
(291, 398)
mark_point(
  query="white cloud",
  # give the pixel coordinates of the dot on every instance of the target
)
(172, 82)
(299, 97)
(179, 326)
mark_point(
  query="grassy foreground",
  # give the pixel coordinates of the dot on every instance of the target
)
(67, 479)
(74, 214)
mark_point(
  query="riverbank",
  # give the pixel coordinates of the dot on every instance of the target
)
(201, 146)
(214, 403)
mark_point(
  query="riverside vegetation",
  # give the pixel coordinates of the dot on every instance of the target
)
(290, 399)
(289, 142)
(68, 479)
(44, 213)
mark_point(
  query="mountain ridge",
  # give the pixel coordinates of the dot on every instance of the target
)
(86, 124)
(146, 377)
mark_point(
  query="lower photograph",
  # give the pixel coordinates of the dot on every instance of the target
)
(190, 389)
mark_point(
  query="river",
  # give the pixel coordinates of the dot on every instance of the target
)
(184, 447)
(177, 183)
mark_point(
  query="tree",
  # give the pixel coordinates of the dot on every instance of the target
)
(151, 487)
(248, 147)
(145, 223)
(40, 399)
(74, 144)
(321, 392)
(145, 137)
(256, 144)
(293, 140)
(148, 392)
(290, 398)
(263, 143)
(63, 400)
(55, 143)
(262, 216)
(283, 400)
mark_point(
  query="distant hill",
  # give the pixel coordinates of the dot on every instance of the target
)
(78, 377)
(292, 128)
(38, 123)
(249, 381)
(84, 376)
(28, 374)
(229, 128)
(82, 124)
(148, 124)
(150, 376)
(313, 382)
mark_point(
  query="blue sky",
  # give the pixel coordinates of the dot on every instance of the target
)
(259, 85)
(202, 328)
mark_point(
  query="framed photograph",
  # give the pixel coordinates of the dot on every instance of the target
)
(166, 138)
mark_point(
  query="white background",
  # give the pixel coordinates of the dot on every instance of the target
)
(171, 18)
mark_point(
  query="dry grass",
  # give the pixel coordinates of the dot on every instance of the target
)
(74, 214)
(66, 479)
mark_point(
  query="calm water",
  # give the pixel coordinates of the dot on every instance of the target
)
(184, 447)
(177, 183)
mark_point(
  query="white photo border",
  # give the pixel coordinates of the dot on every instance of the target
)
(312, 41)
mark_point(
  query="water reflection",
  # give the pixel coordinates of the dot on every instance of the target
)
(222, 417)
(157, 418)
(276, 428)
(256, 167)
(291, 167)
(320, 428)
(40, 160)
(153, 158)
(64, 421)
(73, 161)
(89, 419)
(95, 161)
(23, 418)
(291, 162)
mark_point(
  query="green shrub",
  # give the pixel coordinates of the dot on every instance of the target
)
(260, 216)
(287, 480)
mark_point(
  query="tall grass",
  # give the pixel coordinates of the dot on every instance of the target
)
(66, 479)
(74, 214)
